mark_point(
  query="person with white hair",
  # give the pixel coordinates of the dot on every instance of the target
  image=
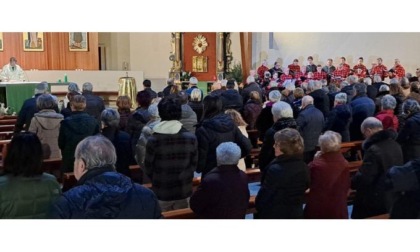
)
(321, 99)
(310, 124)
(381, 152)
(287, 92)
(94, 104)
(193, 85)
(283, 118)
(383, 90)
(330, 181)
(265, 119)
(223, 193)
(386, 115)
(250, 86)
(101, 192)
(339, 117)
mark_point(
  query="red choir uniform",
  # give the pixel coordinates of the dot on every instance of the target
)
(340, 73)
(346, 67)
(261, 70)
(320, 76)
(399, 72)
(360, 66)
(294, 68)
(285, 77)
(362, 74)
(381, 70)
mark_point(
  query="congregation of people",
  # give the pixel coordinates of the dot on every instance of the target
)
(302, 115)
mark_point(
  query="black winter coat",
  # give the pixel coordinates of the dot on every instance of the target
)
(310, 124)
(321, 101)
(362, 107)
(265, 120)
(381, 153)
(102, 193)
(222, 194)
(74, 129)
(409, 137)
(403, 181)
(231, 99)
(121, 141)
(282, 193)
(94, 105)
(267, 151)
(338, 120)
(214, 131)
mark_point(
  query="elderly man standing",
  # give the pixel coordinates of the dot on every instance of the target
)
(381, 153)
(94, 104)
(310, 124)
(193, 85)
(223, 192)
(101, 192)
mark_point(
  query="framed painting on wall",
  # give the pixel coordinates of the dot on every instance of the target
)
(33, 41)
(78, 41)
(1, 41)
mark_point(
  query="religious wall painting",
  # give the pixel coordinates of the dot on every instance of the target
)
(33, 41)
(78, 41)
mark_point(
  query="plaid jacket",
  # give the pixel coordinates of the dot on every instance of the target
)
(170, 162)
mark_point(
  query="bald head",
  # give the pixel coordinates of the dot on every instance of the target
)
(307, 100)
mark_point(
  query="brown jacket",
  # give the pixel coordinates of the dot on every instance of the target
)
(46, 124)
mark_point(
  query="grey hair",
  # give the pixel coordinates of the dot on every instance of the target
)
(383, 88)
(41, 88)
(110, 117)
(360, 88)
(377, 78)
(330, 141)
(371, 123)
(96, 151)
(196, 95)
(193, 81)
(228, 153)
(45, 101)
(250, 79)
(73, 87)
(281, 109)
(312, 85)
(307, 100)
(394, 81)
(341, 98)
(405, 84)
(367, 81)
(274, 96)
(344, 84)
(87, 86)
(352, 79)
(388, 102)
(289, 85)
(410, 106)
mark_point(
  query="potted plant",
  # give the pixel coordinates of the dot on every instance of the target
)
(235, 73)
(185, 76)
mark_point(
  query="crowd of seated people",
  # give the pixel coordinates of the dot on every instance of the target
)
(301, 114)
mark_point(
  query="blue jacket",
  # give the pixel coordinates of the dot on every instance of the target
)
(102, 193)
(362, 107)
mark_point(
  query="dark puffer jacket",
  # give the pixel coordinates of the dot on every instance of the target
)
(135, 124)
(211, 133)
(27, 197)
(404, 181)
(74, 129)
(338, 120)
(381, 153)
(267, 151)
(102, 193)
(283, 191)
(409, 137)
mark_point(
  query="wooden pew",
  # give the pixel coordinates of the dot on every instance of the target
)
(53, 166)
(7, 121)
(7, 128)
(382, 216)
(187, 213)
